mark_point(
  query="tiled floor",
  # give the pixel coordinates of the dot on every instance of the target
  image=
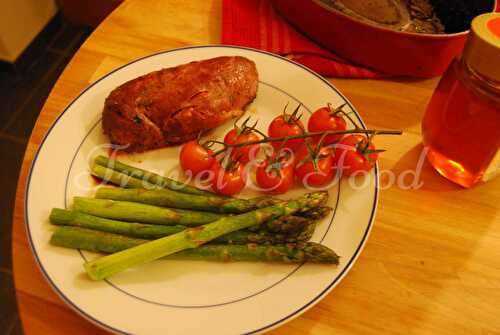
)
(22, 95)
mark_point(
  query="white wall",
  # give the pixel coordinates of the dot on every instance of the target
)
(20, 22)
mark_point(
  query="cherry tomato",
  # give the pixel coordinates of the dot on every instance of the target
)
(354, 153)
(286, 125)
(275, 175)
(246, 153)
(195, 159)
(228, 181)
(324, 119)
(310, 175)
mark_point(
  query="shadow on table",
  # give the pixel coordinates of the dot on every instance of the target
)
(423, 263)
(421, 272)
(413, 171)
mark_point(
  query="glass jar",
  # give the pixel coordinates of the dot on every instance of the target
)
(461, 127)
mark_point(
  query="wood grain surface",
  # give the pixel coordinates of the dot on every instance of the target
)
(432, 263)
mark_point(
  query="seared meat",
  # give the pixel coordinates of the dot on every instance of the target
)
(174, 105)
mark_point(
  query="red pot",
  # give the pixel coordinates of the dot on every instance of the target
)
(387, 50)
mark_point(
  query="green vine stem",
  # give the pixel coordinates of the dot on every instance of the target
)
(305, 135)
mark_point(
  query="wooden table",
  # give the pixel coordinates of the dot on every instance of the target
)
(432, 263)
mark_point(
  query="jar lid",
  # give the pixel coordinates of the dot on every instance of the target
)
(482, 50)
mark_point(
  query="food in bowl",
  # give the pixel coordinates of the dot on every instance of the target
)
(380, 46)
(417, 16)
(410, 15)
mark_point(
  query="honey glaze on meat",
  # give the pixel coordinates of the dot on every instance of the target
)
(174, 105)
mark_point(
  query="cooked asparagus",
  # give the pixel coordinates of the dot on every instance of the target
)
(86, 239)
(172, 199)
(294, 223)
(92, 240)
(315, 213)
(263, 237)
(106, 266)
(120, 179)
(152, 231)
(141, 230)
(148, 176)
(284, 224)
(135, 212)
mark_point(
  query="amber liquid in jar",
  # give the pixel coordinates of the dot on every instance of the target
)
(461, 127)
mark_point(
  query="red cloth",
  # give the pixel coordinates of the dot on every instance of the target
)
(255, 24)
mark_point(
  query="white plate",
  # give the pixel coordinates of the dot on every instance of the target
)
(189, 297)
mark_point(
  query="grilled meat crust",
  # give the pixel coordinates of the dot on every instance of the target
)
(174, 105)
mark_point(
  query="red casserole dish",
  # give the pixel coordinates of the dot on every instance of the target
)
(384, 49)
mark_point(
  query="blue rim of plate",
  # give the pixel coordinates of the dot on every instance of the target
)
(274, 324)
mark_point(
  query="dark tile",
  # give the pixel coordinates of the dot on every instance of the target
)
(6, 247)
(24, 87)
(17, 89)
(22, 91)
(70, 38)
(38, 45)
(17, 328)
(6, 68)
(5, 115)
(11, 154)
(22, 122)
(7, 303)
(78, 41)
(10, 95)
(45, 64)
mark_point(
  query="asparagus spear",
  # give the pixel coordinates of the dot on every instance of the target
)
(263, 237)
(169, 198)
(147, 231)
(284, 224)
(151, 231)
(131, 211)
(120, 179)
(315, 213)
(194, 237)
(148, 176)
(86, 239)
(293, 223)
(92, 240)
